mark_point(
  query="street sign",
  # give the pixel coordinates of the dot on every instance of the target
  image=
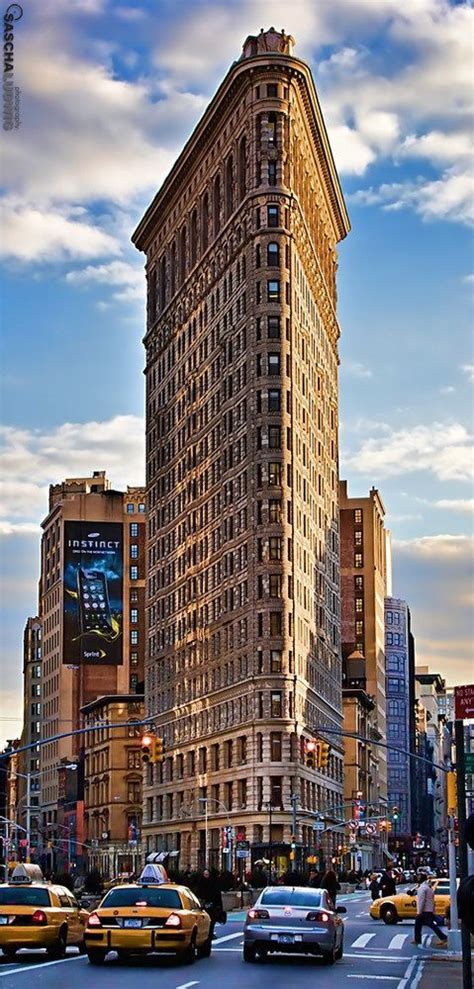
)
(469, 762)
(464, 702)
(371, 828)
(241, 853)
(318, 826)
(353, 825)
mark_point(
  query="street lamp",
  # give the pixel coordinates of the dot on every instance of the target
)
(220, 803)
(270, 837)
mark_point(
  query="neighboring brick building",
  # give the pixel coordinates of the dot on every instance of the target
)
(243, 612)
(365, 581)
(29, 761)
(92, 557)
(113, 783)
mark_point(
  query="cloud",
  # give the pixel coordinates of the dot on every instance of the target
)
(129, 279)
(468, 370)
(451, 197)
(447, 390)
(444, 449)
(469, 279)
(464, 505)
(356, 370)
(70, 450)
(33, 234)
(435, 575)
(19, 528)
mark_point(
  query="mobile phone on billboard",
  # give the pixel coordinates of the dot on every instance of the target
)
(93, 597)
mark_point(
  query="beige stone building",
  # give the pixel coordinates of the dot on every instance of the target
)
(113, 783)
(243, 661)
(29, 761)
(364, 585)
(86, 519)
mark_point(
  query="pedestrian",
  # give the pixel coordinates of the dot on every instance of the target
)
(388, 886)
(314, 879)
(329, 882)
(374, 888)
(425, 915)
(208, 891)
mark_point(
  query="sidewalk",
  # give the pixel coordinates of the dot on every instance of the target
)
(439, 972)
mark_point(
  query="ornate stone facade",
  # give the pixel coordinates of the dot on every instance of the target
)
(243, 610)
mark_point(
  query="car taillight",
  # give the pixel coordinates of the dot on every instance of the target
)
(258, 914)
(173, 920)
(39, 917)
(318, 916)
(94, 920)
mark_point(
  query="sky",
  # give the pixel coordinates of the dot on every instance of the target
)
(110, 91)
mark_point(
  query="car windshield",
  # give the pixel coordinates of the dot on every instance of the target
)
(291, 898)
(26, 897)
(149, 897)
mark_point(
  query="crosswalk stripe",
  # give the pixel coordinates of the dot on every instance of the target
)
(360, 942)
(398, 941)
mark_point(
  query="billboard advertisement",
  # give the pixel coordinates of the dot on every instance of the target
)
(93, 593)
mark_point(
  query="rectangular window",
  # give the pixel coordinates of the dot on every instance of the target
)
(141, 508)
(275, 660)
(272, 171)
(358, 516)
(275, 746)
(274, 510)
(275, 704)
(359, 604)
(133, 659)
(134, 551)
(274, 438)
(273, 327)
(358, 537)
(273, 219)
(274, 400)
(134, 529)
(134, 637)
(274, 548)
(130, 508)
(358, 560)
(274, 585)
(275, 623)
(273, 290)
(274, 474)
(276, 791)
(273, 364)
(272, 89)
(359, 628)
(359, 583)
(133, 615)
(133, 573)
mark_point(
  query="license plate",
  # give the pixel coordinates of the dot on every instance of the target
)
(4, 920)
(286, 938)
(132, 922)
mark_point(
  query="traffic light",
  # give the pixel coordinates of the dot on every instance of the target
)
(147, 745)
(452, 793)
(383, 826)
(389, 826)
(395, 813)
(293, 842)
(312, 753)
(323, 754)
(157, 751)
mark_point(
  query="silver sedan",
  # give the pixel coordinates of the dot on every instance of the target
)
(294, 919)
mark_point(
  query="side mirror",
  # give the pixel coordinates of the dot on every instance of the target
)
(341, 910)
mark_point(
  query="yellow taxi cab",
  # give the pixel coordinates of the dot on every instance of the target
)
(402, 906)
(146, 917)
(37, 914)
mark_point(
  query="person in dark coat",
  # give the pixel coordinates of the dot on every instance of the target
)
(388, 886)
(374, 888)
(314, 879)
(329, 882)
(208, 891)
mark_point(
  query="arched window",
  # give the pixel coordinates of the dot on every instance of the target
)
(216, 206)
(173, 269)
(182, 254)
(205, 222)
(242, 168)
(194, 237)
(229, 186)
(273, 254)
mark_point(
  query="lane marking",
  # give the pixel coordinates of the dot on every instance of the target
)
(227, 937)
(394, 959)
(187, 985)
(408, 973)
(362, 940)
(30, 968)
(389, 978)
(398, 941)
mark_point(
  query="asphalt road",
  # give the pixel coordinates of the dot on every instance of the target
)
(374, 955)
